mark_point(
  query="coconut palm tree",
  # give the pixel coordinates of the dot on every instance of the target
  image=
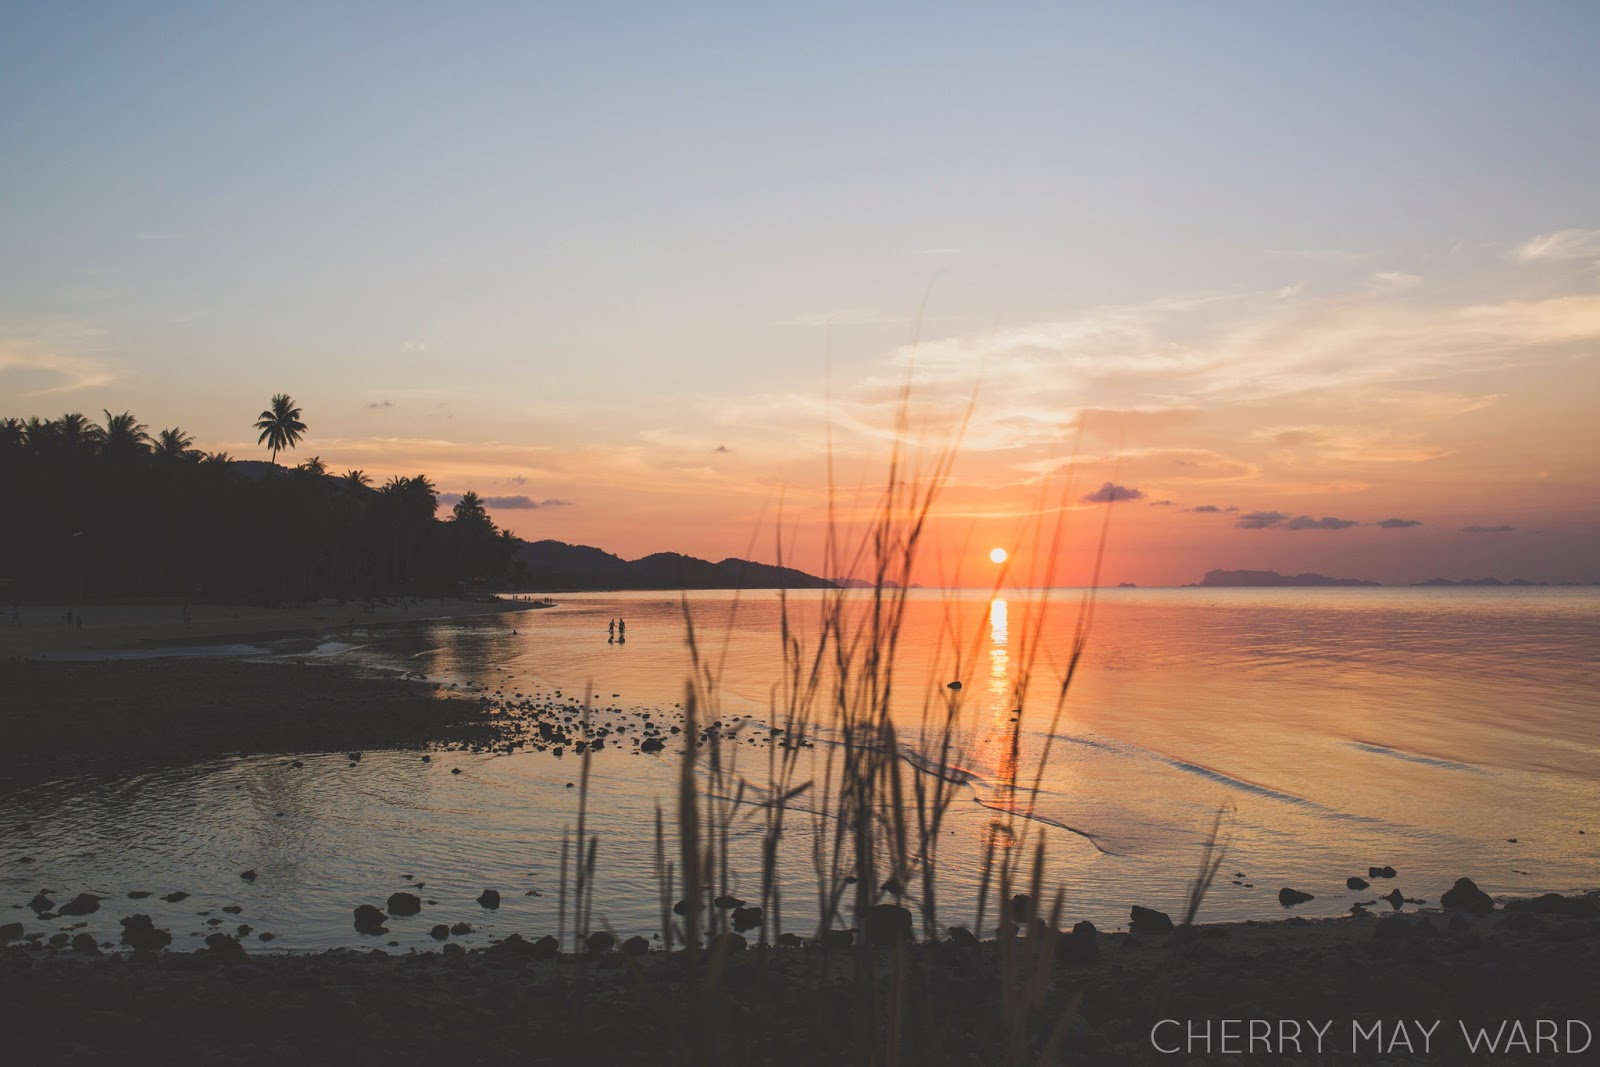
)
(469, 509)
(174, 444)
(123, 435)
(280, 425)
(356, 479)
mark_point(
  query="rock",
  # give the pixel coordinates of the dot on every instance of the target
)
(173, 898)
(727, 903)
(265, 935)
(232, 909)
(82, 904)
(635, 946)
(489, 898)
(243, 930)
(791, 941)
(746, 919)
(353, 757)
(461, 929)
(600, 941)
(960, 935)
(41, 904)
(454, 949)
(441, 932)
(953, 685)
(1465, 896)
(1356, 883)
(838, 939)
(1380, 872)
(1290, 897)
(728, 943)
(10, 932)
(404, 904)
(888, 923)
(1021, 908)
(225, 946)
(369, 920)
(1149, 921)
(546, 948)
(893, 888)
(141, 935)
(60, 940)
(138, 894)
(85, 944)
(248, 876)
(1082, 945)
(1394, 898)
(652, 744)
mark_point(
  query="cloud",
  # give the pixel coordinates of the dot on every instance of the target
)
(1398, 524)
(1260, 520)
(414, 346)
(1161, 503)
(1205, 508)
(724, 449)
(1393, 280)
(1487, 529)
(1560, 245)
(509, 502)
(52, 372)
(380, 404)
(1108, 492)
(1306, 522)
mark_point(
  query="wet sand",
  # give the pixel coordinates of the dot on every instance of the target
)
(43, 630)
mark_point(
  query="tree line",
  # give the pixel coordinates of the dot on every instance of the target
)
(107, 510)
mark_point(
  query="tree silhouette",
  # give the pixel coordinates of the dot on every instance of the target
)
(175, 444)
(356, 479)
(280, 425)
(124, 435)
(469, 508)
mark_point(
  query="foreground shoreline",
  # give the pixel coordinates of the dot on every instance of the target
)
(1144, 999)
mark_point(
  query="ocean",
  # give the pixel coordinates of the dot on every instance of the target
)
(1446, 732)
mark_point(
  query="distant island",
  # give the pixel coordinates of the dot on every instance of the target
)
(1483, 581)
(1257, 579)
(557, 567)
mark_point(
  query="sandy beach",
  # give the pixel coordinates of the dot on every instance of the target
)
(41, 630)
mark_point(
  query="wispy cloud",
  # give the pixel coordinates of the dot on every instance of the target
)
(52, 372)
(1488, 529)
(1559, 246)
(509, 502)
(380, 404)
(1260, 520)
(1398, 524)
(1306, 522)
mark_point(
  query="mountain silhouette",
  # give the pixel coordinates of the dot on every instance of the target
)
(555, 566)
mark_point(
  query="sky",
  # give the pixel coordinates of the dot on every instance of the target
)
(1317, 288)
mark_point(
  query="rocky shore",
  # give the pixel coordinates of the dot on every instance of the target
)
(1448, 974)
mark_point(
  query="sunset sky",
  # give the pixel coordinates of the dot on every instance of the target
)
(1321, 286)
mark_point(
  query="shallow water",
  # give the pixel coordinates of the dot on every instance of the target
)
(1339, 728)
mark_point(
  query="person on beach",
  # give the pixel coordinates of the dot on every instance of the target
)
(622, 629)
(611, 628)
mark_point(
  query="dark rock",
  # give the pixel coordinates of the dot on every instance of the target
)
(652, 744)
(248, 876)
(454, 949)
(82, 904)
(746, 919)
(85, 944)
(138, 894)
(141, 935)
(1356, 883)
(1290, 897)
(1459, 924)
(791, 941)
(1380, 872)
(1021, 908)
(461, 929)
(243, 930)
(266, 935)
(727, 903)
(600, 941)
(960, 935)
(635, 946)
(232, 909)
(953, 685)
(404, 904)
(1149, 921)
(41, 904)
(369, 920)
(838, 939)
(225, 946)
(353, 757)
(1465, 896)
(1394, 898)
(173, 898)
(887, 923)
(546, 948)
(440, 932)
(10, 932)
(893, 888)
(728, 943)
(59, 940)
(489, 898)
(1082, 945)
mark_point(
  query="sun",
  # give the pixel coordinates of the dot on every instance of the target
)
(997, 555)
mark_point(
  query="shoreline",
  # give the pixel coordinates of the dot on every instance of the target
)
(150, 626)
(518, 1002)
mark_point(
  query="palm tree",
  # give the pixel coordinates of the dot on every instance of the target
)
(469, 509)
(124, 435)
(315, 466)
(356, 479)
(280, 425)
(174, 444)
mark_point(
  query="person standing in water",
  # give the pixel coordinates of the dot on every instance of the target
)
(611, 631)
(622, 629)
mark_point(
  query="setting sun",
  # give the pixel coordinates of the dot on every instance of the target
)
(997, 555)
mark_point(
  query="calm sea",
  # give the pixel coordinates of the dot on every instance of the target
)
(1444, 732)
